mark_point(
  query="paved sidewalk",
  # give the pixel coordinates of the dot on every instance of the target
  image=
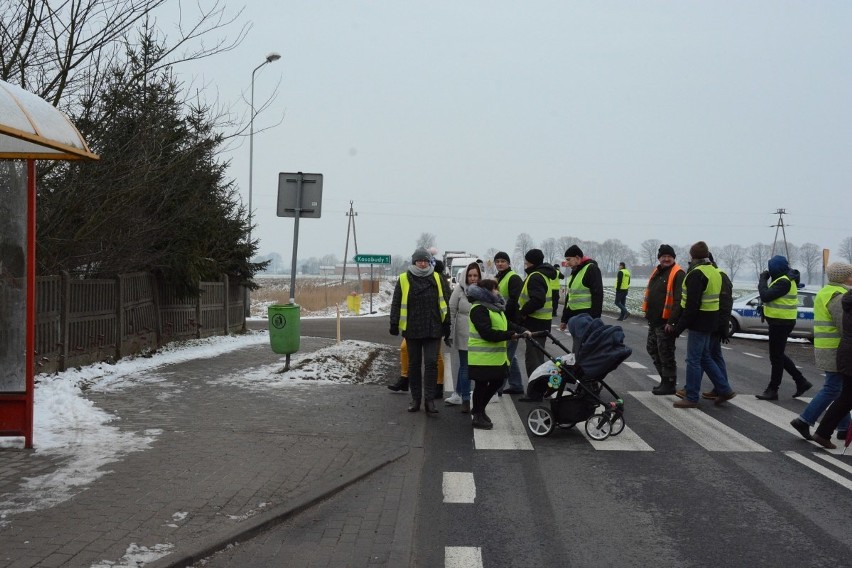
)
(228, 464)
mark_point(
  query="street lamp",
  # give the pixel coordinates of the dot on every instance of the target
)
(269, 59)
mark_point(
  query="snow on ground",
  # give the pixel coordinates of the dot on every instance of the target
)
(84, 438)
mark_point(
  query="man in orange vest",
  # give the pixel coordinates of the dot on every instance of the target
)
(662, 302)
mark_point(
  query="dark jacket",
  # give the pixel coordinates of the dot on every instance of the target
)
(844, 350)
(538, 289)
(591, 280)
(657, 287)
(516, 284)
(692, 317)
(726, 305)
(481, 320)
(424, 315)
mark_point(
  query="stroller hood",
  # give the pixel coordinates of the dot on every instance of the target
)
(599, 348)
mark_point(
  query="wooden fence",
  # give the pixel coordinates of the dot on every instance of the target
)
(79, 322)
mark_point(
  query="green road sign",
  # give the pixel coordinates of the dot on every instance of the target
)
(372, 259)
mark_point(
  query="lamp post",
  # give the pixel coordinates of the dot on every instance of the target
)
(269, 59)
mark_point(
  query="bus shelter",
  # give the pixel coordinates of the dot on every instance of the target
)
(30, 129)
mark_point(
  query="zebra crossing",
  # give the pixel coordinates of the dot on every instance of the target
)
(710, 433)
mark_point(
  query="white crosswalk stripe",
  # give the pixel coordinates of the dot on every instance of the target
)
(627, 441)
(634, 365)
(772, 413)
(509, 432)
(820, 469)
(704, 430)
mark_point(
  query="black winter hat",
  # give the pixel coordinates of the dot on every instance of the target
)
(574, 250)
(420, 254)
(502, 255)
(666, 249)
(534, 257)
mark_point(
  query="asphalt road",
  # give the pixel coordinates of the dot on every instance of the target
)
(718, 486)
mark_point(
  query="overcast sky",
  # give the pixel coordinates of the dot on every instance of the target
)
(479, 120)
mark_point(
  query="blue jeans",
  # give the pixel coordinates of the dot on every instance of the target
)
(716, 355)
(698, 362)
(516, 382)
(826, 395)
(463, 381)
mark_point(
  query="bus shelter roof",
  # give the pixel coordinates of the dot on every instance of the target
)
(32, 128)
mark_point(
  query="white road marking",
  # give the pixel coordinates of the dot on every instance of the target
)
(626, 441)
(655, 378)
(772, 413)
(704, 430)
(727, 348)
(820, 469)
(462, 557)
(459, 487)
(635, 365)
(752, 355)
(508, 433)
(835, 462)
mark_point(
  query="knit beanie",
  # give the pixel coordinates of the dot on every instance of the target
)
(838, 272)
(420, 254)
(502, 256)
(778, 265)
(666, 249)
(699, 250)
(574, 250)
(534, 257)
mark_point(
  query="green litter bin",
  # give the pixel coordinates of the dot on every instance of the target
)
(284, 329)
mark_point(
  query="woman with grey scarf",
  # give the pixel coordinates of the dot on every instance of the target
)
(419, 311)
(488, 365)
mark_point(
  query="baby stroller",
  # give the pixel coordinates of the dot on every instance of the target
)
(577, 385)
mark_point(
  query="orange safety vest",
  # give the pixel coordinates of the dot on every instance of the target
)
(669, 303)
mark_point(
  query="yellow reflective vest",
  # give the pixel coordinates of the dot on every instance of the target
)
(625, 279)
(403, 306)
(546, 311)
(785, 307)
(579, 297)
(710, 296)
(482, 353)
(826, 334)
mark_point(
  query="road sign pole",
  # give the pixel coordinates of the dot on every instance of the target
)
(371, 287)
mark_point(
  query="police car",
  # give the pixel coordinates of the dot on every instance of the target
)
(745, 317)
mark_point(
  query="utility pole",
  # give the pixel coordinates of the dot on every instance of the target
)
(779, 225)
(351, 227)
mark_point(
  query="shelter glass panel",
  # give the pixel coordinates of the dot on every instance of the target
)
(13, 263)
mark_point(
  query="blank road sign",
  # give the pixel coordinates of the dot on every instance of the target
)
(310, 204)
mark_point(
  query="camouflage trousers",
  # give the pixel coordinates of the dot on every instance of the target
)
(661, 348)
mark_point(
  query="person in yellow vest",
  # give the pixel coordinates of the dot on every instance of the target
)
(779, 292)
(699, 314)
(535, 304)
(554, 288)
(662, 303)
(828, 317)
(622, 284)
(419, 311)
(584, 294)
(840, 407)
(488, 332)
(510, 285)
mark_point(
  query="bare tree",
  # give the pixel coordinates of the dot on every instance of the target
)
(846, 249)
(551, 251)
(758, 255)
(649, 249)
(810, 258)
(682, 254)
(610, 253)
(732, 257)
(523, 243)
(426, 240)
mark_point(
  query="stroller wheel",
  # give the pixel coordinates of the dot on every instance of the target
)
(598, 426)
(540, 421)
(616, 425)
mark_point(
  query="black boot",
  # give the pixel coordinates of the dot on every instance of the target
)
(478, 421)
(430, 406)
(802, 386)
(768, 394)
(400, 385)
(668, 385)
(414, 406)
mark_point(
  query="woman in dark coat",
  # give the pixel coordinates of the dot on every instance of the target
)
(843, 403)
(488, 365)
(419, 311)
